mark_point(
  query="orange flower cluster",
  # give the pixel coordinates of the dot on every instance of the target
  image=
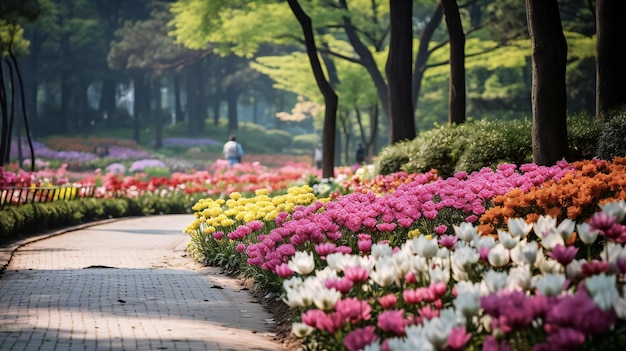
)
(575, 196)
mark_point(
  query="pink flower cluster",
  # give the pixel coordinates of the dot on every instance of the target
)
(395, 213)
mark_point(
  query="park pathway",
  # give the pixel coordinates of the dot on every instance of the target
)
(125, 285)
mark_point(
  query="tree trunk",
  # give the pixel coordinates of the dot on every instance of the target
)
(178, 110)
(549, 100)
(610, 67)
(232, 97)
(158, 113)
(456, 98)
(330, 97)
(423, 52)
(398, 68)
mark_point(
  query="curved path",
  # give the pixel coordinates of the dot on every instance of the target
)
(125, 285)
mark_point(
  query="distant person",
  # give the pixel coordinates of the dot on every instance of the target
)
(317, 156)
(360, 154)
(233, 151)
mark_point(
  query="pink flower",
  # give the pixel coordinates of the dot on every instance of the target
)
(359, 338)
(386, 227)
(255, 225)
(388, 301)
(566, 339)
(471, 218)
(325, 249)
(241, 247)
(491, 344)
(218, 235)
(284, 271)
(392, 322)
(457, 339)
(594, 267)
(441, 229)
(428, 312)
(342, 285)
(563, 255)
(364, 246)
(356, 274)
(448, 240)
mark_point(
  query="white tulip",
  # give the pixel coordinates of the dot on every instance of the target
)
(551, 238)
(520, 278)
(519, 227)
(543, 224)
(465, 231)
(325, 299)
(603, 290)
(385, 272)
(507, 240)
(566, 228)
(381, 250)
(615, 209)
(550, 284)
(498, 256)
(585, 233)
(302, 263)
(301, 330)
(493, 282)
(426, 246)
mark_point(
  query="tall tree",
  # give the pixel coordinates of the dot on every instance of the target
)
(610, 67)
(330, 97)
(399, 70)
(456, 98)
(549, 99)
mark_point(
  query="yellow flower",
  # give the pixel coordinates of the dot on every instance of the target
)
(262, 192)
(209, 230)
(413, 233)
(235, 196)
(227, 222)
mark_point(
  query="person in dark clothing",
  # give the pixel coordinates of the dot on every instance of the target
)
(360, 154)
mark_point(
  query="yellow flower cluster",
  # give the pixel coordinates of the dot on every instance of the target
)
(225, 215)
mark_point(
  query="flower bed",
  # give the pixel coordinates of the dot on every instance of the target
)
(409, 269)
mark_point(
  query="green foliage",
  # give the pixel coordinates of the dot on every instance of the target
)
(305, 142)
(157, 172)
(278, 139)
(613, 137)
(474, 145)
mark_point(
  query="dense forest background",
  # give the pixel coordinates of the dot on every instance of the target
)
(89, 65)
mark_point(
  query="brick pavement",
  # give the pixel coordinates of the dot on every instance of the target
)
(125, 285)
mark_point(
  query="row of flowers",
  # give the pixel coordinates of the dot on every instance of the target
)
(402, 262)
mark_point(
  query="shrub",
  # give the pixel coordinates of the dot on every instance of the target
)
(612, 141)
(278, 140)
(304, 143)
(391, 159)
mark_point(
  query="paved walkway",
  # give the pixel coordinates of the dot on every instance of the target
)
(125, 285)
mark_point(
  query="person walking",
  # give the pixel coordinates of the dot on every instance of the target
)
(360, 154)
(317, 156)
(233, 151)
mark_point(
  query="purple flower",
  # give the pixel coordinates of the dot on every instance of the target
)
(325, 249)
(563, 255)
(359, 338)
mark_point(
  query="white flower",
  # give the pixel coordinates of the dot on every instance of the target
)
(302, 263)
(528, 252)
(292, 283)
(586, 235)
(566, 228)
(437, 330)
(300, 329)
(484, 242)
(574, 269)
(296, 298)
(615, 209)
(466, 231)
(439, 275)
(402, 262)
(467, 303)
(520, 278)
(498, 256)
(551, 238)
(385, 272)
(425, 246)
(338, 261)
(381, 250)
(543, 224)
(548, 265)
(493, 282)
(374, 346)
(519, 227)
(325, 299)
(603, 290)
(464, 257)
(415, 340)
(507, 240)
(550, 284)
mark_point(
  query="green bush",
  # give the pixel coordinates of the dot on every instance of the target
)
(474, 145)
(304, 143)
(278, 140)
(612, 141)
